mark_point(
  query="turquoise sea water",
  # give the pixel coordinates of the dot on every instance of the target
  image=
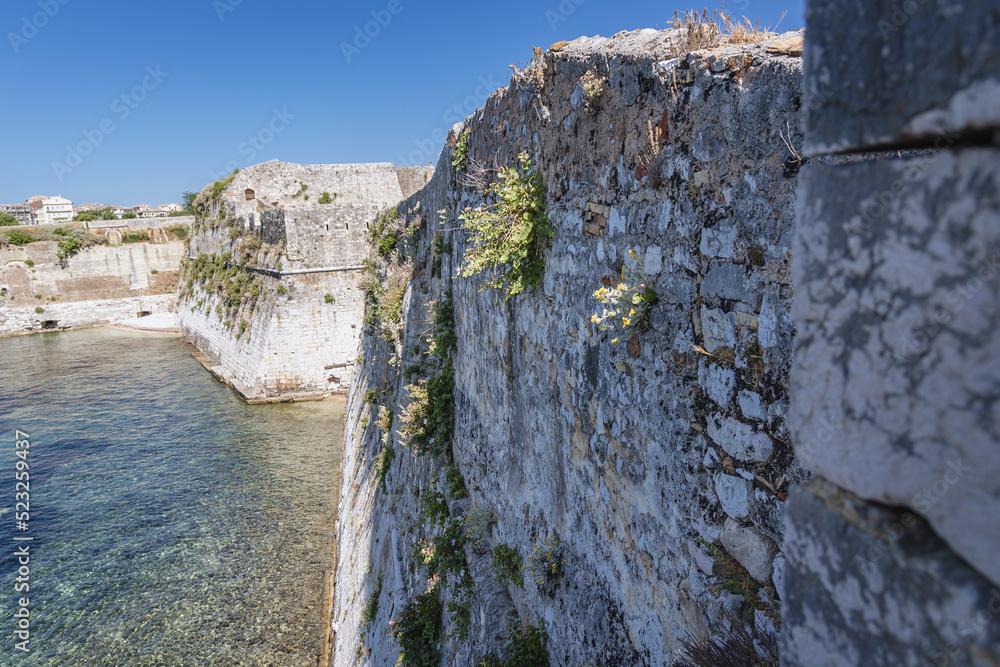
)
(173, 524)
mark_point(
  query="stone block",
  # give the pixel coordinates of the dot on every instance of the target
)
(750, 405)
(718, 383)
(870, 586)
(718, 241)
(751, 548)
(894, 392)
(740, 440)
(871, 78)
(726, 280)
(734, 494)
(717, 330)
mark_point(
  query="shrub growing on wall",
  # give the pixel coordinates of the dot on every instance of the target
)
(507, 235)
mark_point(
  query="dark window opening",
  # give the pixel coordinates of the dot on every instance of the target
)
(143, 313)
(3, 292)
(50, 324)
(250, 194)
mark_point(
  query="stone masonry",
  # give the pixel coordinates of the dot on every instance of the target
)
(95, 287)
(640, 465)
(892, 550)
(300, 344)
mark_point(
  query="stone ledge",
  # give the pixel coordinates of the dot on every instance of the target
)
(872, 81)
(875, 586)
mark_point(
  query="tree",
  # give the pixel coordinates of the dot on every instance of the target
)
(189, 198)
(7, 220)
(129, 215)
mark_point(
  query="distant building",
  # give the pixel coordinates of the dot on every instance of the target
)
(172, 208)
(54, 210)
(90, 207)
(23, 213)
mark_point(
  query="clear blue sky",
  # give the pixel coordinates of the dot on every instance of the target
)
(155, 98)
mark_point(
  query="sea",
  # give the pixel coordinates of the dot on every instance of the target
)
(161, 520)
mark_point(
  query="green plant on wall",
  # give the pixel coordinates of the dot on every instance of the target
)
(507, 235)
(325, 198)
(525, 648)
(418, 630)
(68, 246)
(370, 611)
(507, 563)
(625, 303)
(382, 464)
(545, 560)
(427, 422)
(461, 153)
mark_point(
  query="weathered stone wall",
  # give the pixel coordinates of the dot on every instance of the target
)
(633, 462)
(278, 184)
(301, 340)
(134, 273)
(892, 550)
(141, 223)
(59, 316)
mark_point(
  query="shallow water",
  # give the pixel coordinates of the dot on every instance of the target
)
(172, 523)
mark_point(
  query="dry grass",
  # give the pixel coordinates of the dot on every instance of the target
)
(701, 30)
(530, 76)
(745, 31)
(698, 30)
(735, 648)
(593, 87)
(649, 162)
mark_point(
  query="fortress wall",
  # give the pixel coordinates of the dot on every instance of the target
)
(298, 345)
(641, 464)
(98, 274)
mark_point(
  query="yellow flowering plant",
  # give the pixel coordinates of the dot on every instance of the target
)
(626, 305)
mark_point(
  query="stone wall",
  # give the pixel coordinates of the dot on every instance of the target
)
(141, 223)
(641, 463)
(301, 340)
(278, 184)
(892, 550)
(142, 275)
(15, 321)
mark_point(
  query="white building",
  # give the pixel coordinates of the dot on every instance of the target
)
(54, 210)
(172, 208)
